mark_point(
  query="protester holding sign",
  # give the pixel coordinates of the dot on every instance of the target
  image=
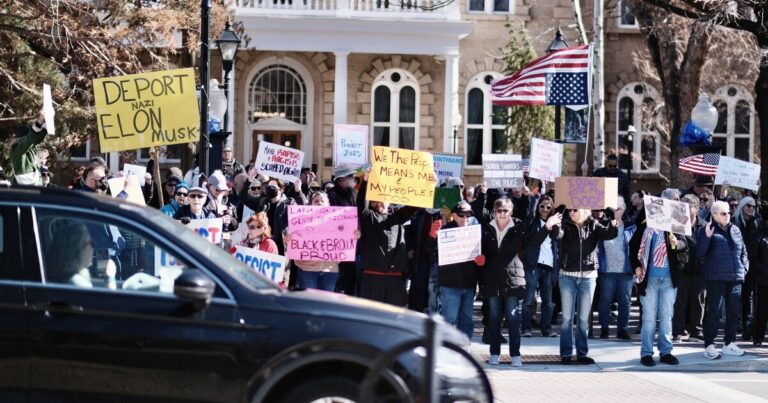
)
(25, 150)
(274, 202)
(259, 234)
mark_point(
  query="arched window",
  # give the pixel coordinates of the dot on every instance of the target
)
(484, 131)
(735, 128)
(395, 108)
(277, 91)
(636, 107)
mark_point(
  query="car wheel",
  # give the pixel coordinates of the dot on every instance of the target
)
(332, 389)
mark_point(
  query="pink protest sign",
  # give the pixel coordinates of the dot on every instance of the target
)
(322, 233)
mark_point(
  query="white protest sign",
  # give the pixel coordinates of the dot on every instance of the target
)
(737, 173)
(350, 145)
(270, 265)
(546, 160)
(667, 215)
(167, 268)
(209, 228)
(247, 213)
(448, 165)
(137, 170)
(50, 126)
(460, 244)
(279, 162)
(131, 189)
(503, 170)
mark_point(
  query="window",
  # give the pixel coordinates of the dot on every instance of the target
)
(81, 152)
(735, 129)
(491, 6)
(636, 107)
(278, 91)
(626, 18)
(10, 244)
(484, 132)
(170, 153)
(395, 109)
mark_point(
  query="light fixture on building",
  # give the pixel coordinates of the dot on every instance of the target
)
(704, 114)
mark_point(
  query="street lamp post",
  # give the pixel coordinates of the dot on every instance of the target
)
(631, 131)
(227, 43)
(557, 44)
(205, 25)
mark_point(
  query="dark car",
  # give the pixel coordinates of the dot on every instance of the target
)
(106, 300)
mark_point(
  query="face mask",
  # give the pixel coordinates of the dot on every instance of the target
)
(272, 191)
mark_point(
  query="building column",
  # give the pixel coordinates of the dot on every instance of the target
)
(340, 88)
(450, 102)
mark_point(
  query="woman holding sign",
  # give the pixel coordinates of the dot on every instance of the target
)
(259, 234)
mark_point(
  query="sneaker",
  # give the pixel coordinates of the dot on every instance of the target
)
(526, 333)
(623, 335)
(711, 352)
(517, 362)
(669, 359)
(677, 338)
(648, 361)
(604, 333)
(733, 349)
(493, 360)
(585, 360)
(566, 360)
(554, 334)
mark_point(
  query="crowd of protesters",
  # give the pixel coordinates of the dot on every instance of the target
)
(569, 262)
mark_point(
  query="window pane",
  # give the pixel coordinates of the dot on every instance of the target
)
(381, 104)
(626, 113)
(722, 117)
(649, 114)
(501, 5)
(475, 107)
(381, 136)
(496, 119)
(648, 152)
(78, 151)
(408, 105)
(407, 137)
(627, 18)
(720, 141)
(625, 147)
(742, 117)
(476, 5)
(742, 150)
(274, 90)
(498, 141)
(474, 146)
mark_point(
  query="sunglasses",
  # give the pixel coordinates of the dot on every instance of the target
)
(545, 207)
(182, 194)
(196, 196)
(750, 205)
(704, 199)
(255, 227)
(255, 187)
(572, 210)
(464, 215)
(503, 211)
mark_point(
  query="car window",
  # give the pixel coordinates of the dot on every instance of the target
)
(86, 253)
(10, 261)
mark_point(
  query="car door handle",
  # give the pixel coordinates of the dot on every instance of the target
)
(57, 306)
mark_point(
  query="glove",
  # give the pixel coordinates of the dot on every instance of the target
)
(480, 260)
(434, 228)
(185, 220)
(610, 213)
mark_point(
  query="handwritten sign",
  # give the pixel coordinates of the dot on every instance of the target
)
(460, 244)
(269, 265)
(402, 176)
(350, 145)
(138, 170)
(738, 173)
(50, 126)
(209, 228)
(146, 110)
(586, 192)
(546, 160)
(131, 189)
(503, 170)
(279, 162)
(448, 165)
(446, 197)
(322, 233)
(167, 268)
(667, 215)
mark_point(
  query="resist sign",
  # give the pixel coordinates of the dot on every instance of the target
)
(269, 265)
(146, 110)
(322, 233)
(210, 229)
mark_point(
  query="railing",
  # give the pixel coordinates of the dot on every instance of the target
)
(360, 8)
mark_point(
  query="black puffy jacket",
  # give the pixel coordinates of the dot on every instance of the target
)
(579, 248)
(503, 273)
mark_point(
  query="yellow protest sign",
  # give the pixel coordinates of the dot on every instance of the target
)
(146, 110)
(402, 177)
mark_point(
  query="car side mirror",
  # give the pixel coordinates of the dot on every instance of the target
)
(194, 286)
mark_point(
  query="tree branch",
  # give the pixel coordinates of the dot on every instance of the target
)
(714, 16)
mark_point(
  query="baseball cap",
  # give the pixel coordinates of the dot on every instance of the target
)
(461, 207)
(218, 181)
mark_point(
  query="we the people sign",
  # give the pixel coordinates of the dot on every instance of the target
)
(402, 176)
(146, 110)
(322, 233)
(279, 162)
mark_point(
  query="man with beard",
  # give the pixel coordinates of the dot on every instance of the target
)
(611, 170)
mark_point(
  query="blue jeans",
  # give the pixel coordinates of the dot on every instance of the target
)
(658, 303)
(542, 278)
(618, 285)
(573, 291)
(513, 324)
(319, 280)
(456, 308)
(719, 293)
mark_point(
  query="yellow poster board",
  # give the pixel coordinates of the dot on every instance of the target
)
(146, 110)
(402, 177)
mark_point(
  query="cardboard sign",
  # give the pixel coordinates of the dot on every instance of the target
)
(456, 245)
(546, 160)
(132, 189)
(586, 192)
(279, 162)
(446, 197)
(269, 265)
(503, 170)
(350, 145)
(209, 228)
(448, 165)
(146, 110)
(402, 177)
(137, 170)
(50, 126)
(667, 215)
(738, 173)
(322, 233)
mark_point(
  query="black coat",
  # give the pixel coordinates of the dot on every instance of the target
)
(579, 251)
(503, 273)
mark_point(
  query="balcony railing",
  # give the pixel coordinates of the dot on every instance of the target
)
(438, 9)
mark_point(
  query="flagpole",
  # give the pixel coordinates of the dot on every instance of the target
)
(598, 91)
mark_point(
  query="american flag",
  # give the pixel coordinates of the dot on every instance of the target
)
(559, 78)
(701, 164)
